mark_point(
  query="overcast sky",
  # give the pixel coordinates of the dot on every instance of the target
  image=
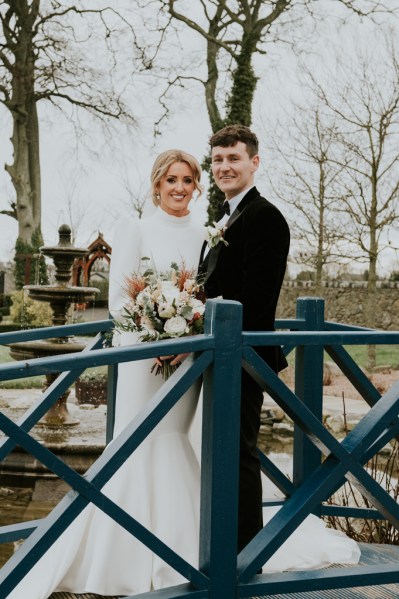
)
(100, 184)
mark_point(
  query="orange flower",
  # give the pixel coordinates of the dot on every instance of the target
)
(134, 285)
(183, 275)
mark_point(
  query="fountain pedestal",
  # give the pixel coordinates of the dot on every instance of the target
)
(60, 297)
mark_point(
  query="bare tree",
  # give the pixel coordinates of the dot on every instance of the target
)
(48, 51)
(77, 209)
(352, 146)
(363, 97)
(235, 31)
(304, 177)
(136, 190)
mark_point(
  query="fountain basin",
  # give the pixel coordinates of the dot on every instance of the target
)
(77, 446)
(26, 350)
(61, 293)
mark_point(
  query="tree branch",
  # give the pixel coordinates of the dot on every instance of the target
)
(194, 26)
(12, 212)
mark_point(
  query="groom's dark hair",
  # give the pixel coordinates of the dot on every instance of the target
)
(231, 134)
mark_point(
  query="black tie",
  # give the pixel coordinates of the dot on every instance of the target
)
(226, 207)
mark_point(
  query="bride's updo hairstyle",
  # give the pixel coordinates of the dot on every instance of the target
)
(162, 165)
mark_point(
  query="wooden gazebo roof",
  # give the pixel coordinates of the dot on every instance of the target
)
(99, 249)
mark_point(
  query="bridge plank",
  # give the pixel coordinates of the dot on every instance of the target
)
(372, 554)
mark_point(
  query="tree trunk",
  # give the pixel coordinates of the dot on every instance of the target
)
(372, 279)
(25, 169)
(215, 118)
(239, 104)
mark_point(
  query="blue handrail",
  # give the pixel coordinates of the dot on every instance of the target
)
(321, 463)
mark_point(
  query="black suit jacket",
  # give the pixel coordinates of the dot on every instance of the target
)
(250, 269)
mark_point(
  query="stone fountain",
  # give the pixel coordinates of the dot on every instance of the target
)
(60, 296)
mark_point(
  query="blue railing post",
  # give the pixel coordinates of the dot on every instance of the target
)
(308, 386)
(220, 450)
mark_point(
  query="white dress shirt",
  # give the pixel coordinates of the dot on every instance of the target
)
(233, 202)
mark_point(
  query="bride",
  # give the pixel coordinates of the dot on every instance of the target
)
(159, 484)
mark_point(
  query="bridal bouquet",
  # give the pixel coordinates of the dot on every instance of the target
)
(163, 306)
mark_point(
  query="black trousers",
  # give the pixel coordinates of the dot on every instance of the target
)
(250, 485)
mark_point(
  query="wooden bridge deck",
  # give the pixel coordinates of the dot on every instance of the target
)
(371, 555)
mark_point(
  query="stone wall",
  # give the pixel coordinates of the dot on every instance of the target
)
(344, 301)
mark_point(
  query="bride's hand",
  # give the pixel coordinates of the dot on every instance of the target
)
(176, 359)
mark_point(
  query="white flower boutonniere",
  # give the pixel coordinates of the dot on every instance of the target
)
(215, 235)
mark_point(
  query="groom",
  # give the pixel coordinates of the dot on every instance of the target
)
(250, 269)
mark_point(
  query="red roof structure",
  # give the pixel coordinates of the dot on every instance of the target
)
(99, 249)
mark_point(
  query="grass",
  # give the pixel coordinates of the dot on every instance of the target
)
(387, 355)
(32, 382)
(37, 382)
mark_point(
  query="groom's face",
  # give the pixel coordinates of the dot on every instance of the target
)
(233, 168)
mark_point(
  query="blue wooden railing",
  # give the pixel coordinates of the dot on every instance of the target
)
(321, 463)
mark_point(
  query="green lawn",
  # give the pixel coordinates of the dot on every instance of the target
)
(37, 382)
(33, 382)
(386, 355)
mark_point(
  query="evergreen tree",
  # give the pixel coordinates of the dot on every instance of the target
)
(29, 264)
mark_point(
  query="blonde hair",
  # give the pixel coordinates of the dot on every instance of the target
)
(162, 164)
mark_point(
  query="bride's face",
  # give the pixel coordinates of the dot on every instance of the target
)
(176, 189)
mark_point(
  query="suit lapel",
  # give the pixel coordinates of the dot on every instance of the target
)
(212, 260)
(212, 257)
(202, 254)
(251, 195)
(236, 214)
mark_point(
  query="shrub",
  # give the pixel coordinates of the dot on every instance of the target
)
(28, 312)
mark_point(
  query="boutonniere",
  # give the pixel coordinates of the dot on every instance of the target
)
(215, 235)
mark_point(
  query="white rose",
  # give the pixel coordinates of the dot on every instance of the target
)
(166, 310)
(176, 326)
(197, 305)
(169, 291)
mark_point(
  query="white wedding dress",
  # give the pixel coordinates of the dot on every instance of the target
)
(160, 483)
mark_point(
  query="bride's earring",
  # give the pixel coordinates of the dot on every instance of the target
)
(158, 196)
